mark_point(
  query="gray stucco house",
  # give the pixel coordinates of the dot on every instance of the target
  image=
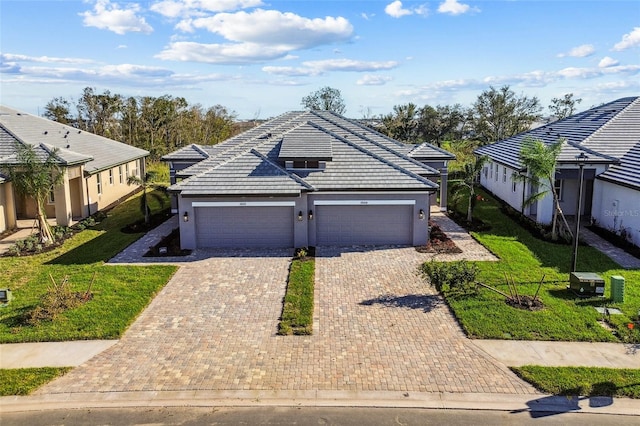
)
(305, 178)
(609, 136)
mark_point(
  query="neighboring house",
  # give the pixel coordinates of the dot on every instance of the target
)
(609, 135)
(305, 178)
(95, 168)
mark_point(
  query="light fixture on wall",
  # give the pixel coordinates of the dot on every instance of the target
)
(421, 214)
(185, 217)
(310, 214)
(300, 215)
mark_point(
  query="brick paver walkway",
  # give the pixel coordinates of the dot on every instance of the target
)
(377, 327)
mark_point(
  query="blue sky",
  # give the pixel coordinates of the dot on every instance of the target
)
(259, 58)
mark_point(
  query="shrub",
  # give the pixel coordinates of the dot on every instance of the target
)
(453, 278)
(56, 300)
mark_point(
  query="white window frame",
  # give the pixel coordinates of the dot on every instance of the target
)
(99, 183)
(111, 177)
(559, 187)
(120, 174)
(504, 174)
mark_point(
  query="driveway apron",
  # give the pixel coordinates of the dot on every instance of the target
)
(377, 327)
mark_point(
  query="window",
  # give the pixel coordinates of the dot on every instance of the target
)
(302, 164)
(110, 176)
(504, 175)
(120, 174)
(558, 185)
(51, 199)
(99, 183)
(127, 169)
(514, 184)
(496, 172)
(485, 171)
(490, 171)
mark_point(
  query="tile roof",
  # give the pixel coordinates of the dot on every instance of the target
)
(74, 146)
(596, 132)
(358, 158)
(427, 151)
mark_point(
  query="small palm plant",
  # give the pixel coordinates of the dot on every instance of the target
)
(467, 183)
(148, 184)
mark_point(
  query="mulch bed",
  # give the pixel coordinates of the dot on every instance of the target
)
(439, 242)
(168, 246)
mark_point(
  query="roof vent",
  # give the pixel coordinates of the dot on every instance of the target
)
(68, 146)
(79, 131)
(45, 132)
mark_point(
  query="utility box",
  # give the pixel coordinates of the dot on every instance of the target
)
(5, 295)
(617, 289)
(586, 284)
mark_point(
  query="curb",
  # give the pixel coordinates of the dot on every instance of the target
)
(250, 398)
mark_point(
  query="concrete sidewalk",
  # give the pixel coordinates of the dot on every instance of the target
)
(512, 353)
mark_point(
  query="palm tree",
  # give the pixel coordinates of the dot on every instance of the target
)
(540, 161)
(33, 177)
(148, 184)
(468, 182)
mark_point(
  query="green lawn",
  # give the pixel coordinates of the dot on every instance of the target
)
(526, 259)
(23, 381)
(297, 313)
(583, 381)
(120, 293)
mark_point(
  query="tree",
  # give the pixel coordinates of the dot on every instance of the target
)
(468, 182)
(33, 176)
(99, 113)
(148, 184)
(540, 160)
(325, 99)
(402, 123)
(59, 109)
(564, 107)
(436, 124)
(500, 114)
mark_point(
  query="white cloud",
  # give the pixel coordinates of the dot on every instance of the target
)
(579, 51)
(312, 68)
(367, 16)
(373, 80)
(43, 59)
(396, 10)
(175, 9)
(109, 16)
(453, 7)
(239, 53)
(257, 36)
(607, 62)
(272, 26)
(350, 65)
(629, 40)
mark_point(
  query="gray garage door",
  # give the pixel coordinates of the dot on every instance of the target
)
(370, 225)
(241, 227)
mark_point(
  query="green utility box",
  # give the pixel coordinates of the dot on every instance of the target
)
(586, 284)
(617, 289)
(5, 296)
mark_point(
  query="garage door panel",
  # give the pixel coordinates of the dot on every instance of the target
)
(366, 225)
(239, 227)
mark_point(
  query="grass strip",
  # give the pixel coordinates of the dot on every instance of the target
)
(23, 381)
(297, 313)
(583, 381)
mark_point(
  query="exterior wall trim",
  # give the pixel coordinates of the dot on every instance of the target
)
(364, 202)
(243, 204)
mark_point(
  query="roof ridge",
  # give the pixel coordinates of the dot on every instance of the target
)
(284, 171)
(200, 150)
(379, 145)
(579, 147)
(375, 156)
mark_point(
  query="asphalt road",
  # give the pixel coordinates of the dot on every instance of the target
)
(196, 416)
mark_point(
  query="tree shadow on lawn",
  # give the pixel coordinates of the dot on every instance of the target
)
(100, 249)
(426, 303)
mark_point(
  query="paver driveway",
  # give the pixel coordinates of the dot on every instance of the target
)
(377, 327)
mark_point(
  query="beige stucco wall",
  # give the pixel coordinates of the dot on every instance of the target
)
(113, 186)
(7, 207)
